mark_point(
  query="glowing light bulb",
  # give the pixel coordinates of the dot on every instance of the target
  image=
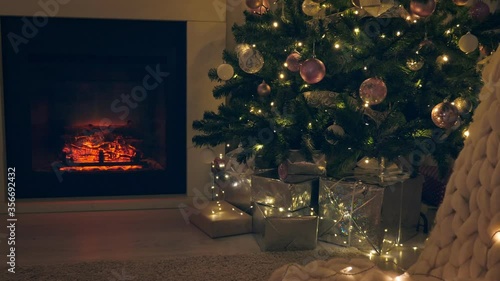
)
(496, 237)
(285, 64)
(282, 76)
(398, 33)
(356, 30)
(299, 44)
(337, 45)
(281, 209)
(228, 145)
(254, 45)
(347, 269)
(367, 161)
(365, 68)
(382, 36)
(275, 24)
(445, 58)
(356, 12)
(448, 31)
(272, 103)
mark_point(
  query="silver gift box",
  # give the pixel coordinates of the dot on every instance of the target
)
(268, 190)
(279, 230)
(350, 214)
(235, 188)
(219, 219)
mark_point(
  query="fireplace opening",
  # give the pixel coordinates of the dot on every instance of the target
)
(96, 107)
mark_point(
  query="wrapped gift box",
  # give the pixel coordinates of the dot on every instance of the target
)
(219, 219)
(235, 188)
(279, 230)
(402, 204)
(350, 213)
(268, 189)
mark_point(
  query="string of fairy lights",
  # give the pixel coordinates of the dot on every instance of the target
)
(456, 107)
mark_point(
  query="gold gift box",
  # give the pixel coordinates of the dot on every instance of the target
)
(219, 219)
(279, 230)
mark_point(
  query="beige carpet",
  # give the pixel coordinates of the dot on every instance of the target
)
(246, 267)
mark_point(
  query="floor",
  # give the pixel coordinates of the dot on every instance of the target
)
(53, 238)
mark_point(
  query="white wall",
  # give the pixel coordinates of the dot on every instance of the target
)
(206, 40)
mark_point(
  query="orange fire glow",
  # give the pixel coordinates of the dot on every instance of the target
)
(97, 149)
(101, 168)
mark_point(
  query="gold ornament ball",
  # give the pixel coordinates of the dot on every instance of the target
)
(311, 8)
(463, 106)
(263, 89)
(253, 4)
(468, 43)
(444, 115)
(415, 64)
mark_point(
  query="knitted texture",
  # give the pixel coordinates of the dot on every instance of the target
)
(464, 242)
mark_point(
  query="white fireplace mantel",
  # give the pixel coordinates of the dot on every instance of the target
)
(206, 39)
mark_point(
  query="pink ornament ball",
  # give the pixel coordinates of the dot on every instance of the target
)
(373, 91)
(293, 62)
(479, 11)
(422, 8)
(312, 71)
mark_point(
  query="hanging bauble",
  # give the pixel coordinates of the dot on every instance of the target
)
(251, 61)
(253, 4)
(356, 3)
(373, 91)
(261, 9)
(463, 105)
(207, 155)
(240, 48)
(293, 62)
(312, 71)
(468, 43)
(310, 8)
(460, 2)
(479, 11)
(426, 44)
(263, 89)
(444, 115)
(422, 8)
(225, 71)
(415, 64)
(336, 131)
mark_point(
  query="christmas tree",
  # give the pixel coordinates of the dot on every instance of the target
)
(353, 79)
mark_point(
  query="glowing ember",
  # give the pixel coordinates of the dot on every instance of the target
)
(100, 147)
(101, 168)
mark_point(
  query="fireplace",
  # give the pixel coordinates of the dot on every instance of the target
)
(96, 107)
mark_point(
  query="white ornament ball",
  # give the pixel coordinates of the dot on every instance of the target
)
(311, 8)
(207, 155)
(468, 43)
(225, 71)
(336, 130)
